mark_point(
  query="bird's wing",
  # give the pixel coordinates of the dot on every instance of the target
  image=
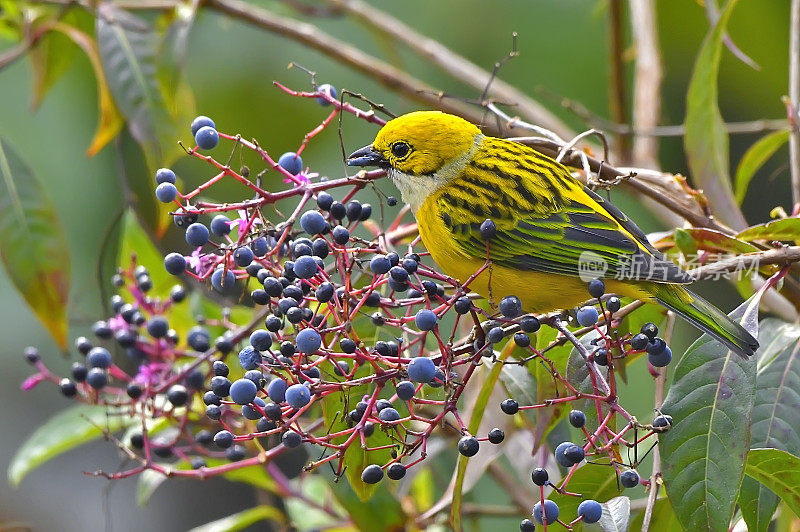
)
(546, 220)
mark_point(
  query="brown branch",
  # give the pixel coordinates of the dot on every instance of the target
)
(794, 99)
(453, 64)
(616, 76)
(748, 261)
(647, 81)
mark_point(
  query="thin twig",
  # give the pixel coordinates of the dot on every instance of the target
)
(748, 261)
(794, 99)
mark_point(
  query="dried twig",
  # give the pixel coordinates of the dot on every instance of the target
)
(794, 99)
(647, 81)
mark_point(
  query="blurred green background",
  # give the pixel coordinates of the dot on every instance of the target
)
(231, 66)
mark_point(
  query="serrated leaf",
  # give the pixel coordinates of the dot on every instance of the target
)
(616, 514)
(706, 139)
(779, 471)
(110, 120)
(242, 520)
(33, 246)
(711, 401)
(754, 158)
(776, 419)
(128, 51)
(787, 229)
(64, 431)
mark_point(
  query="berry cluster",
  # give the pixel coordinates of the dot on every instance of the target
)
(356, 340)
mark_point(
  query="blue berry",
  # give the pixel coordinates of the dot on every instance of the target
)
(328, 89)
(405, 390)
(243, 256)
(313, 223)
(662, 359)
(249, 358)
(372, 474)
(468, 446)
(206, 138)
(297, 396)
(175, 263)
(99, 357)
(220, 225)
(223, 281)
(157, 327)
(421, 369)
(629, 478)
(561, 458)
(251, 413)
(495, 335)
(548, 513)
(399, 274)
(291, 162)
(587, 316)
(198, 338)
(166, 192)
(650, 330)
(243, 391)
(276, 390)
(577, 418)
(380, 265)
(261, 339)
(213, 412)
(425, 319)
(656, 347)
(68, 388)
(463, 305)
(529, 324)
(613, 304)
(197, 234)
(260, 246)
(396, 471)
(320, 248)
(223, 439)
(438, 379)
(591, 511)
(391, 201)
(388, 415)
(540, 476)
(639, 342)
(220, 385)
(201, 121)
(488, 229)
(511, 306)
(324, 292)
(340, 235)
(291, 439)
(522, 339)
(305, 267)
(324, 200)
(177, 395)
(97, 378)
(574, 453)
(353, 210)
(509, 406)
(308, 341)
(597, 288)
(165, 175)
(526, 525)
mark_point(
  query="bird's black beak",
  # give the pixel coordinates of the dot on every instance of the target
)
(366, 156)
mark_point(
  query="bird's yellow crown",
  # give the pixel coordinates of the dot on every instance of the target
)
(422, 142)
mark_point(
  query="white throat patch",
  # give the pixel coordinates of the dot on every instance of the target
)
(415, 189)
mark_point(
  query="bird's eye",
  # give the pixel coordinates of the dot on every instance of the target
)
(400, 149)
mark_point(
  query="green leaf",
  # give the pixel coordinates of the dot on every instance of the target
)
(787, 229)
(128, 51)
(776, 419)
(477, 414)
(779, 471)
(754, 158)
(383, 512)
(662, 520)
(33, 244)
(242, 520)
(305, 517)
(335, 408)
(711, 240)
(147, 483)
(49, 60)
(64, 431)
(711, 401)
(616, 515)
(706, 140)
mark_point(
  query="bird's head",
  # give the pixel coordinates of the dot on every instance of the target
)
(418, 150)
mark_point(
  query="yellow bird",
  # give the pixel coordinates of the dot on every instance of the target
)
(550, 231)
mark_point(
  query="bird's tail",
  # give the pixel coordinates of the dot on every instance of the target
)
(707, 318)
